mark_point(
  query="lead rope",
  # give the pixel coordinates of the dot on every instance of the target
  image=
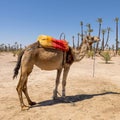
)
(64, 54)
(94, 61)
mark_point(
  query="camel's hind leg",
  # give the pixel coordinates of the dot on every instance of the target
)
(22, 85)
(26, 94)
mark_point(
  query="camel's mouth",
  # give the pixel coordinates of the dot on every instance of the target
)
(96, 39)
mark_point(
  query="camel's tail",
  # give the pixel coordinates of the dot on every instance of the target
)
(17, 67)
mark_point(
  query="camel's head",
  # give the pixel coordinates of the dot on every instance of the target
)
(91, 39)
(85, 46)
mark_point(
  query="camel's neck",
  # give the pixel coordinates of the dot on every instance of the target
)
(81, 53)
(83, 50)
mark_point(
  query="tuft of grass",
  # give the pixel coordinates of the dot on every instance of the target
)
(119, 52)
(106, 56)
(90, 54)
(16, 52)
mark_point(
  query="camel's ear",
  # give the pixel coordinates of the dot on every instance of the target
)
(92, 38)
(87, 37)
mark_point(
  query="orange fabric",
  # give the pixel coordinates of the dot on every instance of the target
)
(48, 42)
(45, 41)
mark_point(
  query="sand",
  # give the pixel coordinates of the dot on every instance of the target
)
(88, 97)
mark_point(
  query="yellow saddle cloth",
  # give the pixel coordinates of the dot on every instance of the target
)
(50, 42)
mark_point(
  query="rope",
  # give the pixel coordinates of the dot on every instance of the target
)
(94, 61)
(62, 34)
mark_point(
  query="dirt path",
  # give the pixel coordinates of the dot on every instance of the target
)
(87, 98)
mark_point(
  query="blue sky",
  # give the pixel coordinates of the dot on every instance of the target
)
(24, 20)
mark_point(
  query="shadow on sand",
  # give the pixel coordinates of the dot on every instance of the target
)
(70, 99)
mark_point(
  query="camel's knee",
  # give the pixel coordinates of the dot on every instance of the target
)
(57, 82)
(24, 88)
(19, 89)
(64, 83)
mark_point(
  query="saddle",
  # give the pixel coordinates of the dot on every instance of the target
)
(50, 42)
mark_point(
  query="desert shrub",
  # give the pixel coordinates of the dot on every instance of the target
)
(16, 52)
(106, 56)
(90, 54)
(119, 52)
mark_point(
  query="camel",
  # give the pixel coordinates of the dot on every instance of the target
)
(47, 59)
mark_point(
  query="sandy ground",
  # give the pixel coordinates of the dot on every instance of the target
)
(88, 97)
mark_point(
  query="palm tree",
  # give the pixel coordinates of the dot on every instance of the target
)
(99, 20)
(8, 47)
(2, 46)
(78, 43)
(103, 34)
(113, 47)
(108, 32)
(20, 46)
(16, 45)
(73, 42)
(81, 24)
(116, 20)
(89, 29)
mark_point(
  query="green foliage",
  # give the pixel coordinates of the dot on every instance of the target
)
(90, 54)
(106, 56)
(119, 52)
(16, 52)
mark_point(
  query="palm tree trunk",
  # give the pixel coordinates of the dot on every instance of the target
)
(73, 42)
(99, 20)
(108, 33)
(81, 24)
(78, 43)
(103, 42)
(98, 36)
(116, 36)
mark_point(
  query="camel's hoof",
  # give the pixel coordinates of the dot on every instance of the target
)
(32, 103)
(63, 97)
(55, 97)
(24, 108)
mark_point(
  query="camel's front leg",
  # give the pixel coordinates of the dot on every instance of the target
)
(65, 73)
(57, 83)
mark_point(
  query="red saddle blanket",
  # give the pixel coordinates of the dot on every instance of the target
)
(50, 42)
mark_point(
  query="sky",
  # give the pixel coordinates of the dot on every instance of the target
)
(23, 21)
